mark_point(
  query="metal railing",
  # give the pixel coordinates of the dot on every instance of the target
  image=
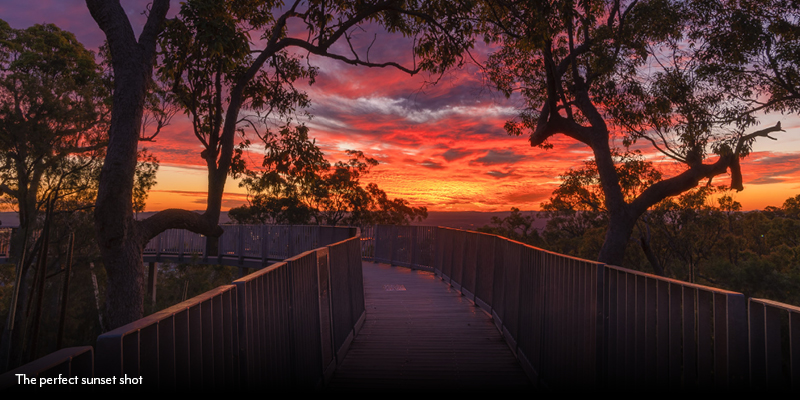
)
(289, 324)
(573, 324)
(252, 246)
(71, 362)
(576, 324)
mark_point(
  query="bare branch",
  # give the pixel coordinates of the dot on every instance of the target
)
(178, 219)
(322, 51)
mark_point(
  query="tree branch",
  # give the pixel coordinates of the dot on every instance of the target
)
(692, 176)
(152, 28)
(752, 136)
(321, 51)
(178, 219)
(7, 190)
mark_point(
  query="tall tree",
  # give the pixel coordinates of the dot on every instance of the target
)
(322, 24)
(298, 186)
(632, 70)
(753, 47)
(120, 237)
(54, 108)
(217, 69)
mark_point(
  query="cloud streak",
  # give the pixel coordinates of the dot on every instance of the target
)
(441, 146)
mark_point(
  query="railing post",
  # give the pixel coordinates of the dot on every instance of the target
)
(290, 248)
(376, 239)
(264, 245)
(151, 281)
(325, 312)
(600, 350)
(240, 244)
(205, 248)
(180, 245)
(158, 246)
(738, 344)
(414, 237)
(395, 244)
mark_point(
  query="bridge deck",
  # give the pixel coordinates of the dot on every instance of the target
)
(419, 333)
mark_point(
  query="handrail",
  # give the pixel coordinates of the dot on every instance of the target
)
(577, 324)
(574, 324)
(298, 316)
(70, 362)
(251, 246)
(164, 348)
(773, 324)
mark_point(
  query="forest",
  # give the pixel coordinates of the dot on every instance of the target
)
(694, 238)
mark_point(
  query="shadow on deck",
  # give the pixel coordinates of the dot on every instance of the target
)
(420, 333)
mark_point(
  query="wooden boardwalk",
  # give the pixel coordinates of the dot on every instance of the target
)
(420, 334)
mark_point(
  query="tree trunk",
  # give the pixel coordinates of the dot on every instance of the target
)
(619, 232)
(121, 243)
(125, 281)
(216, 189)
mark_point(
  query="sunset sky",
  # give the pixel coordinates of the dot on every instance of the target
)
(443, 146)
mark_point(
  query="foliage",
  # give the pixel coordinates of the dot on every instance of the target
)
(515, 227)
(179, 282)
(581, 189)
(751, 47)
(54, 104)
(205, 52)
(54, 107)
(298, 186)
(635, 68)
(699, 236)
(383, 211)
(145, 178)
(217, 68)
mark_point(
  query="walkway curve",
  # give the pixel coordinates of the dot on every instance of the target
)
(421, 334)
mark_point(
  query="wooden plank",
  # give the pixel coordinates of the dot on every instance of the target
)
(425, 337)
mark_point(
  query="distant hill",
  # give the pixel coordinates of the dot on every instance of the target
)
(470, 220)
(12, 219)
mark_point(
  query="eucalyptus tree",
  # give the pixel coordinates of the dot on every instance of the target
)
(297, 185)
(223, 58)
(753, 49)
(54, 108)
(315, 27)
(622, 72)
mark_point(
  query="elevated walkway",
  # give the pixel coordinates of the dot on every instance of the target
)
(322, 320)
(420, 334)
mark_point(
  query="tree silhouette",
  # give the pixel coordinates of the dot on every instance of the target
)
(54, 107)
(298, 186)
(626, 71)
(439, 41)
(217, 69)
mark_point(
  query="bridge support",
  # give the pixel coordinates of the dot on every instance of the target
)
(151, 281)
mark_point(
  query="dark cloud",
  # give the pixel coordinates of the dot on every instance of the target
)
(405, 139)
(498, 174)
(431, 164)
(766, 180)
(496, 157)
(769, 169)
(455, 154)
(527, 197)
